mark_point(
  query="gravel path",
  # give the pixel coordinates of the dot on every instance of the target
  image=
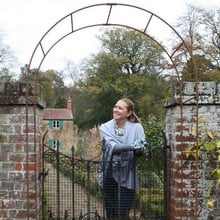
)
(83, 202)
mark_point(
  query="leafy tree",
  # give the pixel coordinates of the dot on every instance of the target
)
(203, 65)
(53, 89)
(133, 51)
(51, 86)
(127, 65)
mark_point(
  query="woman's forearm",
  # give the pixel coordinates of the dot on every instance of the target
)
(118, 148)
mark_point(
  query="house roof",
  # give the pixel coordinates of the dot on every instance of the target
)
(55, 114)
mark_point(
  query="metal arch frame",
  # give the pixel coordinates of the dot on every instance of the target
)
(107, 23)
(110, 5)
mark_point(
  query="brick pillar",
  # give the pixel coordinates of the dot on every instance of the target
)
(188, 178)
(20, 157)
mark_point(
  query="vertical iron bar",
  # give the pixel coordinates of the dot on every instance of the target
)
(58, 180)
(43, 214)
(66, 215)
(88, 187)
(43, 192)
(73, 180)
(167, 159)
(102, 169)
(27, 138)
(119, 190)
(165, 181)
(135, 184)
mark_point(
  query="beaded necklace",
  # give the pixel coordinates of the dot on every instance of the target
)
(119, 131)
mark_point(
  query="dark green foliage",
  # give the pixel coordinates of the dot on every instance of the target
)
(127, 66)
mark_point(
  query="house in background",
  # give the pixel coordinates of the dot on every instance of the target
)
(58, 122)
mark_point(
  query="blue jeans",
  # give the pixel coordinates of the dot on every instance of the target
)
(118, 200)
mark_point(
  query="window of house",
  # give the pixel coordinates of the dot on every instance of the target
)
(54, 143)
(56, 124)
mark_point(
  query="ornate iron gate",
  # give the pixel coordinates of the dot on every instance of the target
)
(70, 189)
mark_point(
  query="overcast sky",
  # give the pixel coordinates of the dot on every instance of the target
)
(24, 22)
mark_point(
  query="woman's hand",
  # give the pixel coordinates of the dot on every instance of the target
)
(139, 147)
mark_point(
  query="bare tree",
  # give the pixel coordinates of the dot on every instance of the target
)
(211, 38)
(7, 59)
(200, 29)
(71, 74)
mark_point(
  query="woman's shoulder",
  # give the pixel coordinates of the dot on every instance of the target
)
(107, 124)
(134, 124)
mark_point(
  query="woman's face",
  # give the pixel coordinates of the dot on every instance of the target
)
(120, 111)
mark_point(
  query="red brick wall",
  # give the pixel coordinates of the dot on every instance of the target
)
(20, 157)
(188, 181)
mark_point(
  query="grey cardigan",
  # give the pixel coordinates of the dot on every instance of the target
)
(119, 149)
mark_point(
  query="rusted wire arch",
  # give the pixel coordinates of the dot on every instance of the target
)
(115, 25)
(45, 53)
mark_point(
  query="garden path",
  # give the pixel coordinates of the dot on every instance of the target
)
(83, 202)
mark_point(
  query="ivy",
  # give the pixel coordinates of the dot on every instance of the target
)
(208, 144)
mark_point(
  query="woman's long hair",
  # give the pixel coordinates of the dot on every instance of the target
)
(130, 107)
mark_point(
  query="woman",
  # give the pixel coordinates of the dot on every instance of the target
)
(121, 137)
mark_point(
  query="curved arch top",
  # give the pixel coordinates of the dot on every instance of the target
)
(107, 14)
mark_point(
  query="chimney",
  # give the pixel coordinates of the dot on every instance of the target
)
(69, 102)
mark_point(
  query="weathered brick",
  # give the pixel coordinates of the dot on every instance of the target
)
(188, 177)
(19, 147)
(17, 157)
(16, 138)
(185, 138)
(18, 143)
(12, 214)
(8, 204)
(22, 214)
(14, 195)
(16, 176)
(18, 166)
(30, 166)
(4, 214)
(7, 185)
